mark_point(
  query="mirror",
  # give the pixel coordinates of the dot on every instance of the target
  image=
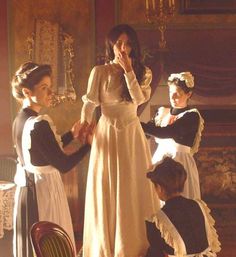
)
(49, 44)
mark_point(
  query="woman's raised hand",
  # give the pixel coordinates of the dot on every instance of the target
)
(125, 61)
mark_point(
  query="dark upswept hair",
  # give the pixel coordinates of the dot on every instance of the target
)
(181, 84)
(28, 75)
(135, 54)
(170, 175)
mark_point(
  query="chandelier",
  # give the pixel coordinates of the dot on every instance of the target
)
(159, 13)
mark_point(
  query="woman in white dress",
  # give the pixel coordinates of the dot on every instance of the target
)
(118, 197)
(40, 194)
(177, 130)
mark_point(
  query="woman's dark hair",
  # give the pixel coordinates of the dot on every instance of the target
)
(28, 75)
(170, 175)
(135, 53)
(181, 84)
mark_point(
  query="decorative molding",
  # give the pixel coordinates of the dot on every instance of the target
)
(207, 7)
(46, 50)
(68, 55)
(180, 22)
(49, 44)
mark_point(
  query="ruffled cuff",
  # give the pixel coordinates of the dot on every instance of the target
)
(87, 111)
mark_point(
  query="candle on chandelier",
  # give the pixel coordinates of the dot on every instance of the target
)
(161, 4)
(154, 5)
(147, 5)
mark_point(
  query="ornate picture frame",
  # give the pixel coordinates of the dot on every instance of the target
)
(207, 6)
(49, 44)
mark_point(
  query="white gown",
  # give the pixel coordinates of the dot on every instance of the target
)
(118, 195)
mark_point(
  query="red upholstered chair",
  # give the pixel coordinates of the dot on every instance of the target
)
(50, 240)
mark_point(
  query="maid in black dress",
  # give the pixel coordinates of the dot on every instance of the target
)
(177, 130)
(183, 227)
(40, 192)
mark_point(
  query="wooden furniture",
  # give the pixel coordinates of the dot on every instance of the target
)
(50, 240)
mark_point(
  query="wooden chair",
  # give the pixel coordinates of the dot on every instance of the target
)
(50, 240)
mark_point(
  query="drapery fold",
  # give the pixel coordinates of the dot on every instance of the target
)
(210, 80)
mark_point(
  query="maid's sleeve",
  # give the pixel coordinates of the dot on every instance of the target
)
(48, 148)
(155, 240)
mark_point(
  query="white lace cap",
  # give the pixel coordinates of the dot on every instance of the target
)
(186, 76)
(26, 73)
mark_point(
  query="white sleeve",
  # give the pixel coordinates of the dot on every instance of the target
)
(139, 93)
(91, 99)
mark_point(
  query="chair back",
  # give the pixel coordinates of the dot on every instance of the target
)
(50, 240)
(7, 168)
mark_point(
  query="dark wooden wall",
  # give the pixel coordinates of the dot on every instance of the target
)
(5, 100)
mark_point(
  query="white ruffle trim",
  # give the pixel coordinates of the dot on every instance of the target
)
(212, 235)
(26, 138)
(20, 178)
(163, 117)
(169, 233)
(172, 237)
(29, 126)
(207, 252)
(198, 136)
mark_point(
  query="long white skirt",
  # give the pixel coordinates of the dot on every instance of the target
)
(118, 196)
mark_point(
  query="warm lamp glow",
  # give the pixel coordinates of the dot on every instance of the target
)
(159, 12)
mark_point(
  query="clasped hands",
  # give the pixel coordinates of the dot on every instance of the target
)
(83, 131)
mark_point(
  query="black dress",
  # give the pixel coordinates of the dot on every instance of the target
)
(182, 226)
(44, 151)
(177, 133)
(183, 130)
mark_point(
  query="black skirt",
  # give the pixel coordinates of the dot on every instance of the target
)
(26, 214)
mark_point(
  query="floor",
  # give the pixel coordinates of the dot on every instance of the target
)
(6, 244)
(228, 244)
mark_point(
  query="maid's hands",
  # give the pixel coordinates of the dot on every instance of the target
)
(90, 132)
(83, 131)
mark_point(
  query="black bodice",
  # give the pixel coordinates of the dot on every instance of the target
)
(183, 130)
(45, 150)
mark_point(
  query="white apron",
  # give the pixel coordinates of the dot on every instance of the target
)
(172, 237)
(180, 153)
(51, 196)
